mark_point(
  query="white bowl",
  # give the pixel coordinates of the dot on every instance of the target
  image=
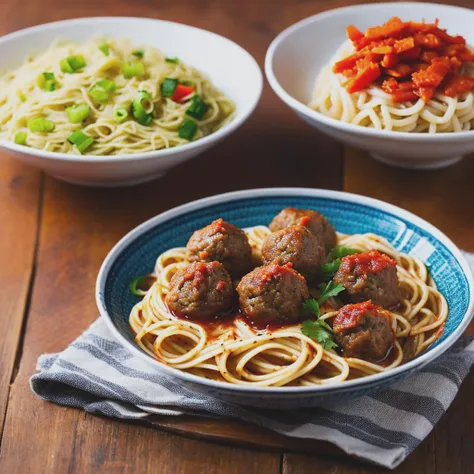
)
(296, 56)
(232, 69)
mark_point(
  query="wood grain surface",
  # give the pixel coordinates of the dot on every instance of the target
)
(54, 236)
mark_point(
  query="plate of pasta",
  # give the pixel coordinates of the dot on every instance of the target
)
(286, 297)
(113, 101)
(394, 79)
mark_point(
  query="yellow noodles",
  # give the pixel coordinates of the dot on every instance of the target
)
(238, 354)
(21, 98)
(374, 108)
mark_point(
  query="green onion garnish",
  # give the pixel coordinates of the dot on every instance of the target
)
(20, 138)
(65, 66)
(168, 87)
(81, 140)
(142, 108)
(120, 114)
(72, 63)
(46, 81)
(138, 53)
(188, 129)
(77, 113)
(187, 83)
(100, 92)
(172, 60)
(104, 47)
(133, 69)
(198, 108)
(40, 125)
(22, 97)
(107, 85)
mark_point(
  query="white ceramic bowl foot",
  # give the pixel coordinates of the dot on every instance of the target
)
(111, 184)
(428, 164)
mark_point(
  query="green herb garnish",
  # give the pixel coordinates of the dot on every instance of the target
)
(320, 331)
(172, 60)
(188, 129)
(334, 260)
(329, 290)
(197, 108)
(138, 53)
(168, 87)
(135, 286)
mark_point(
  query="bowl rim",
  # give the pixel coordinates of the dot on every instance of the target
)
(419, 361)
(313, 115)
(239, 118)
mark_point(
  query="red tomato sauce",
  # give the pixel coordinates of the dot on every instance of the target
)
(365, 263)
(348, 316)
(408, 60)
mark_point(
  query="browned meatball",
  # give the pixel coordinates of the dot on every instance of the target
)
(272, 293)
(312, 220)
(364, 330)
(200, 290)
(370, 276)
(296, 245)
(224, 243)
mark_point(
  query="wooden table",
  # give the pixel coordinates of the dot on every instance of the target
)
(54, 236)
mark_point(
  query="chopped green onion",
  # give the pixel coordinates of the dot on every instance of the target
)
(81, 140)
(142, 108)
(120, 114)
(72, 63)
(187, 83)
(76, 62)
(22, 97)
(99, 94)
(107, 85)
(198, 108)
(46, 81)
(104, 47)
(188, 129)
(77, 113)
(40, 125)
(20, 138)
(65, 66)
(133, 69)
(172, 60)
(138, 53)
(168, 87)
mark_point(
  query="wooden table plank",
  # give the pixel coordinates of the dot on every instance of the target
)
(19, 211)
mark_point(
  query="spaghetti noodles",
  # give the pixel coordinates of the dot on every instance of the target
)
(106, 97)
(234, 352)
(374, 108)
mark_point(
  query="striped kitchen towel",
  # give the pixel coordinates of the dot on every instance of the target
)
(99, 375)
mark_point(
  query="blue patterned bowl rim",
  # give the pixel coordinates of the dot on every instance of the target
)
(255, 194)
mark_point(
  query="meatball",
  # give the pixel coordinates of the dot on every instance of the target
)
(200, 290)
(272, 293)
(364, 330)
(312, 220)
(296, 245)
(224, 243)
(370, 276)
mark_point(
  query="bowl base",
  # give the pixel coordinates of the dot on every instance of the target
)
(110, 184)
(432, 164)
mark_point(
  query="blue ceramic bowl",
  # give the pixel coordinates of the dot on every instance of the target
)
(136, 253)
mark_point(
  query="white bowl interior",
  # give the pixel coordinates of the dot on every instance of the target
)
(303, 49)
(229, 66)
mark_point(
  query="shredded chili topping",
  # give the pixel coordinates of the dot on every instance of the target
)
(408, 60)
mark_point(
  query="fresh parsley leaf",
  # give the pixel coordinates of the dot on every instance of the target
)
(329, 290)
(318, 330)
(311, 308)
(329, 269)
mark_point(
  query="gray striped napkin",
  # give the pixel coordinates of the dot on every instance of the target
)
(102, 377)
